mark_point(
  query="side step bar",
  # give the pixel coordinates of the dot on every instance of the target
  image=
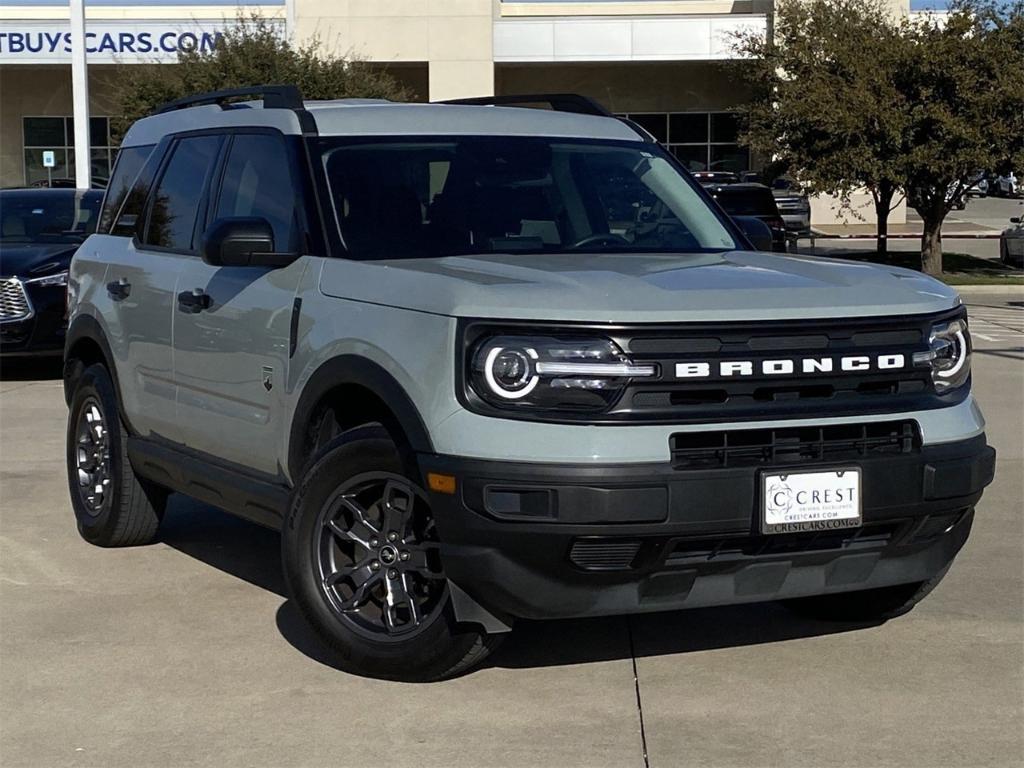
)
(240, 494)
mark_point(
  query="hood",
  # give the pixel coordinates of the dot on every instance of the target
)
(620, 288)
(25, 259)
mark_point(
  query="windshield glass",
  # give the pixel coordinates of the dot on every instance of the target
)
(50, 216)
(471, 195)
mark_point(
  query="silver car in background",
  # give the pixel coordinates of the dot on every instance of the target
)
(793, 204)
(1011, 243)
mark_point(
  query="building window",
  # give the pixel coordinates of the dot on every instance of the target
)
(701, 140)
(57, 134)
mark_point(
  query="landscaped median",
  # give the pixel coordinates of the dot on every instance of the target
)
(958, 268)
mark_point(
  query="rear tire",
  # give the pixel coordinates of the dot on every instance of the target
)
(113, 507)
(384, 610)
(867, 605)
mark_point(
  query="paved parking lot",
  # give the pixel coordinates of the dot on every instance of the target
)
(187, 652)
(989, 216)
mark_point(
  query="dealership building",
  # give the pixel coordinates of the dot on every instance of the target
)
(665, 63)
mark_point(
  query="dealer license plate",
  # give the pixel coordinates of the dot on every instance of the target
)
(795, 502)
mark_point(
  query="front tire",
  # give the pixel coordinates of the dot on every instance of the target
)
(113, 507)
(866, 605)
(362, 562)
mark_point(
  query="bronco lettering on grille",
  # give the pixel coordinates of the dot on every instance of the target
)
(790, 366)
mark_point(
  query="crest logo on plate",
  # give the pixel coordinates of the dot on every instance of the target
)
(779, 498)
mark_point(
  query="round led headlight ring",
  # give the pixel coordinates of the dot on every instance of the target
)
(960, 348)
(510, 372)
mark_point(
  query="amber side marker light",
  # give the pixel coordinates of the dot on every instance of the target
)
(441, 483)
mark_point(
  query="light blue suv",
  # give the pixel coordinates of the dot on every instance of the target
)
(479, 362)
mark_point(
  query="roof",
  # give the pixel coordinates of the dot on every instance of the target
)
(368, 117)
(30, 192)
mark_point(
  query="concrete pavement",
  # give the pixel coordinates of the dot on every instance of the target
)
(187, 653)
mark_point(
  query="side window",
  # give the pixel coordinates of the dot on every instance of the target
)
(130, 217)
(176, 200)
(258, 182)
(126, 169)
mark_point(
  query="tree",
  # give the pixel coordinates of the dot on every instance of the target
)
(251, 52)
(826, 107)
(962, 83)
(852, 95)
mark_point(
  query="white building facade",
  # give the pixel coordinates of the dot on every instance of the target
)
(668, 64)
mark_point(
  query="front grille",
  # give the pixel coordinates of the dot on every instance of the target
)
(718, 395)
(14, 303)
(723, 372)
(793, 445)
(791, 204)
(735, 548)
(604, 554)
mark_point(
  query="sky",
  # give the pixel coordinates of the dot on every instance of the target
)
(920, 5)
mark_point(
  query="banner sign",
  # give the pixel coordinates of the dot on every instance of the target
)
(107, 42)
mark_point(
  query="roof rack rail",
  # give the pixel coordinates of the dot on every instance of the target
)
(559, 102)
(274, 97)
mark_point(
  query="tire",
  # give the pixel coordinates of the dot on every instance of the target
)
(867, 605)
(113, 507)
(343, 574)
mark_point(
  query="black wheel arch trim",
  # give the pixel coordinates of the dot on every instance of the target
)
(87, 327)
(361, 371)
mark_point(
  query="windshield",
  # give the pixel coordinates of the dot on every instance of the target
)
(472, 195)
(48, 216)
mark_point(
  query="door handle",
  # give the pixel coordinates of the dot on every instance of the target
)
(119, 289)
(194, 301)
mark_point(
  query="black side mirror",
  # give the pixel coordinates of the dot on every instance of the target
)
(1015, 219)
(242, 241)
(757, 232)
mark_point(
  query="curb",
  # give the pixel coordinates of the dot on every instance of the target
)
(911, 236)
(988, 289)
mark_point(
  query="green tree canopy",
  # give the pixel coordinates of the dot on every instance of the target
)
(961, 79)
(252, 52)
(854, 95)
(827, 108)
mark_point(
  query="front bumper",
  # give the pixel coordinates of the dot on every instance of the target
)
(551, 541)
(797, 222)
(42, 332)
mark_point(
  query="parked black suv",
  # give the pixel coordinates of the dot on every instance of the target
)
(754, 200)
(40, 230)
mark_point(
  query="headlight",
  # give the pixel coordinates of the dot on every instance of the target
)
(58, 278)
(949, 355)
(551, 373)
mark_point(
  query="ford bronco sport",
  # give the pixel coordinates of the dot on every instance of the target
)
(479, 362)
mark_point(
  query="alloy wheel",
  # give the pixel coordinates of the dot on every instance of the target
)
(92, 457)
(377, 557)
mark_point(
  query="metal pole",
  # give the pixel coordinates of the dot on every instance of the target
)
(80, 95)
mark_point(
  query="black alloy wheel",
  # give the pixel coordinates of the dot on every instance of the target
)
(113, 507)
(92, 457)
(363, 562)
(378, 556)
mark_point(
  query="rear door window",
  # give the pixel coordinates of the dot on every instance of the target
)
(126, 169)
(177, 198)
